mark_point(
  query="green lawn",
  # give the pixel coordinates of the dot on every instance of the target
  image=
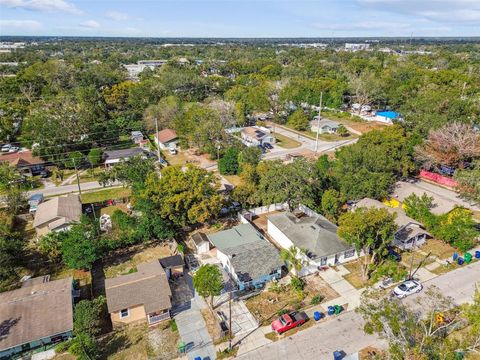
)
(106, 194)
(286, 142)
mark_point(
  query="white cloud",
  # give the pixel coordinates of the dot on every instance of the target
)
(117, 15)
(13, 26)
(43, 5)
(90, 24)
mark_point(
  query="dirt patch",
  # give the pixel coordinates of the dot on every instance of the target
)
(212, 324)
(122, 261)
(355, 277)
(267, 304)
(416, 258)
(140, 342)
(438, 248)
(109, 210)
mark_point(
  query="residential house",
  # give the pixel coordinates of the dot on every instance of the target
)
(410, 232)
(200, 243)
(247, 256)
(112, 157)
(142, 296)
(173, 265)
(25, 162)
(166, 139)
(356, 47)
(305, 229)
(57, 214)
(256, 135)
(38, 314)
(326, 126)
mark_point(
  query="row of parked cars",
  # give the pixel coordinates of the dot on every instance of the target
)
(9, 148)
(265, 147)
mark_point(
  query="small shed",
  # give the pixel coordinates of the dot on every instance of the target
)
(201, 243)
(173, 265)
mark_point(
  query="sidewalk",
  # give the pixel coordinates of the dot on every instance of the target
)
(349, 295)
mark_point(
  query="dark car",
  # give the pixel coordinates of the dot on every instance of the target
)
(268, 146)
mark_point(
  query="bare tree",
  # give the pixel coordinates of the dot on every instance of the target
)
(449, 145)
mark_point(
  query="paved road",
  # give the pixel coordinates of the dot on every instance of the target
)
(65, 189)
(346, 333)
(319, 342)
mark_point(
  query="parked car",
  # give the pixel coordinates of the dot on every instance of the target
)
(172, 151)
(268, 146)
(13, 149)
(6, 148)
(34, 201)
(289, 321)
(407, 288)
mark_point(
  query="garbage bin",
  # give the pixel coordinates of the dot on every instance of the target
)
(477, 254)
(468, 258)
(338, 309)
(181, 347)
(317, 315)
(460, 261)
(455, 256)
(331, 310)
(338, 355)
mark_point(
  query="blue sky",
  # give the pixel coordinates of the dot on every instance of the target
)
(245, 18)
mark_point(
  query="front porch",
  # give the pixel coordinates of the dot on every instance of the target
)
(157, 317)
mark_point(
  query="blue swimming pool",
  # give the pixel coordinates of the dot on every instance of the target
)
(388, 114)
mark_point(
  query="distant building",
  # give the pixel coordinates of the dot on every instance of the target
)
(142, 296)
(256, 135)
(25, 162)
(134, 70)
(326, 126)
(57, 214)
(112, 157)
(136, 136)
(38, 314)
(305, 229)
(247, 256)
(166, 139)
(356, 47)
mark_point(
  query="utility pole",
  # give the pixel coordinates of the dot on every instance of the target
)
(78, 178)
(318, 122)
(158, 141)
(230, 321)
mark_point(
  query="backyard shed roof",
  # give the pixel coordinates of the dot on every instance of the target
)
(166, 135)
(61, 210)
(39, 309)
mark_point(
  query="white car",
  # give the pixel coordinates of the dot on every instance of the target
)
(172, 151)
(13, 149)
(6, 148)
(407, 288)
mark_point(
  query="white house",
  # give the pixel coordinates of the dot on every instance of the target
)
(305, 229)
(166, 139)
(410, 232)
(201, 243)
(256, 135)
(326, 126)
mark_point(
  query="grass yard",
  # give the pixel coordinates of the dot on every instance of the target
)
(355, 277)
(141, 342)
(439, 248)
(418, 257)
(235, 180)
(106, 194)
(286, 142)
(179, 159)
(335, 137)
(121, 262)
(268, 303)
(212, 324)
(109, 210)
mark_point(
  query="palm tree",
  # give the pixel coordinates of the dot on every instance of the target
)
(295, 258)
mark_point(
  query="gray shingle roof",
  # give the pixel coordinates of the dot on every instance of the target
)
(251, 255)
(37, 310)
(314, 233)
(148, 287)
(62, 209)
(122, 154)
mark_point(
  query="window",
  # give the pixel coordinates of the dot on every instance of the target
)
(124, 313)
(349, 253)
(323, 261)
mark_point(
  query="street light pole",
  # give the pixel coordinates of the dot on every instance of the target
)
(158, 141)
(318, 122)
(78, 178)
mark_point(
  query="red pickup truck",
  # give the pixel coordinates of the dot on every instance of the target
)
(289, 321)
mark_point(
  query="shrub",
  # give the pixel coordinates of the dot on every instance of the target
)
(317, 299)
(173, 325)
(282, 312)
(297, 284)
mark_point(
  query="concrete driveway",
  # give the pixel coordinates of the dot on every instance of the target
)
(243, 321)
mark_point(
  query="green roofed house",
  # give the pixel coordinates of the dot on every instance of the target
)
(247, 256)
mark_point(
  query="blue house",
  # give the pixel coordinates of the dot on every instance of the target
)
(247, 256)
(36, 316)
